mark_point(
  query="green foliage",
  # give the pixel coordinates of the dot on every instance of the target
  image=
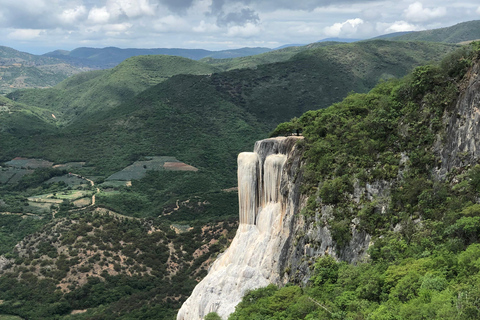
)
(287, 128)
(334, 191)
(14, 228)
(325, 271)
(212, 316)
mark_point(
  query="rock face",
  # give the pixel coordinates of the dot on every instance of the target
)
(269, 198)
(458, 146)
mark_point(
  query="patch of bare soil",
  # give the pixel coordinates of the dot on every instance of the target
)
(178, 166)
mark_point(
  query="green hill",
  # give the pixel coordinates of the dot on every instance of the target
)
(20, 125)
(261, 98)
(318, 77)
(253, 61)
(102, 90)
(465, 31)
(23, 70)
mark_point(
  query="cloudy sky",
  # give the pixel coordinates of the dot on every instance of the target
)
(39, 26)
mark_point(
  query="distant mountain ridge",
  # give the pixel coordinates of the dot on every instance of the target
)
(103, 58)
(465, 31)
(25, 70)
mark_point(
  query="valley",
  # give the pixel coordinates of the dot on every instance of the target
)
(118, 187)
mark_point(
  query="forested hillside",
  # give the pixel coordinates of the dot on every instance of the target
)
(401, 142)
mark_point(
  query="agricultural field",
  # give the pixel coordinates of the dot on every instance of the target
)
(37, 187)
(12, 175)
(139, 169)
(29, 163)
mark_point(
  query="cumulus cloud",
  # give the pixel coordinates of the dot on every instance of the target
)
(25, 34)
(177, 6)
(347, 28)
(397, 26)
(417, 13)
(72, 15)
(143, 23)
(98, 15)
(25, 14)
(171, 23)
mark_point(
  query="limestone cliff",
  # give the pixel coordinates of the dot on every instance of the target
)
(457, 147)
(269, 198)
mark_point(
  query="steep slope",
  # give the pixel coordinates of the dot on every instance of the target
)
(102, 90)
(391, 179)
(22, 124)
(465, 31)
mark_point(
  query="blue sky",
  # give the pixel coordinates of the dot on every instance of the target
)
(39, 26)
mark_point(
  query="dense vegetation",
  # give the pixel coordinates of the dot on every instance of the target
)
(96, 91)
(424, 260)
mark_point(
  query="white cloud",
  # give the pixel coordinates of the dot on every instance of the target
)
(347, 28)
(70, 16)
(98, 15)
(25, 34)
(397, 26)
(417, 13)
(245, 31)
(478, 10)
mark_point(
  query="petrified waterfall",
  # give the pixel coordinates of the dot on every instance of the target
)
(254, 258)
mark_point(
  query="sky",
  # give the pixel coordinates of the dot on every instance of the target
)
(40, 26)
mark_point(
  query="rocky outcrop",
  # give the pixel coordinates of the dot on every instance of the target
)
(269, 198)
(457, 147)
(274, 243)
(4, 263)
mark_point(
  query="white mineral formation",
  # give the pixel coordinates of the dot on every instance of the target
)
(251, 261)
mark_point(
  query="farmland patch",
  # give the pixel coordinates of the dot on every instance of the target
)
(29, 163)
(138, 169)
(70, 180)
